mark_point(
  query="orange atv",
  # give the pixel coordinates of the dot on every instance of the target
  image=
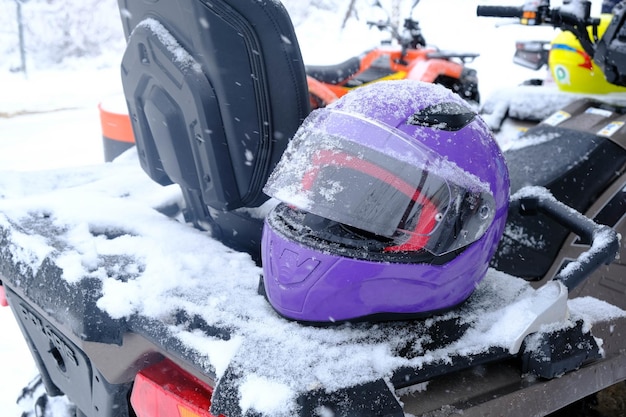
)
(413, 59)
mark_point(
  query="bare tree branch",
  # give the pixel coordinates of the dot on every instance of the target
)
(349, 13)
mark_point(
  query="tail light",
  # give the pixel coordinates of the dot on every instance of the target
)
(3, 297)
(165, 390)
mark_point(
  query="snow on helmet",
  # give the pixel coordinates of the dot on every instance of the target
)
(573, 70)
(393, 201)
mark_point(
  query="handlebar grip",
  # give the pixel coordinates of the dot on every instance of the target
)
(499, 11)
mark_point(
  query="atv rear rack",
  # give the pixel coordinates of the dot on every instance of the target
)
(454, 358)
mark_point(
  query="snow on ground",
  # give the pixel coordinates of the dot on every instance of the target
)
(55, 121)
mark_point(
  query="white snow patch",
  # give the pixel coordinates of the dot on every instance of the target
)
(263, 395)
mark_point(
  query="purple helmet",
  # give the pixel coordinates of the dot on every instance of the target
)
(393, 200)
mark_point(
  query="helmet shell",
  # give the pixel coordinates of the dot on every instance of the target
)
(315, 282)
(573, 70)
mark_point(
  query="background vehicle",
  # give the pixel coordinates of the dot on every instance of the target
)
(582, 129)
(411, 58)
(60, 336)
(571, 71)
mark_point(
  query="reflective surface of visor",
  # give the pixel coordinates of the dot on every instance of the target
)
(374, 178)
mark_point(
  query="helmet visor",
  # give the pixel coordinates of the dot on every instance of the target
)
(375, 178)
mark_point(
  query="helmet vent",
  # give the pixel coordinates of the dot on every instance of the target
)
(443, 116)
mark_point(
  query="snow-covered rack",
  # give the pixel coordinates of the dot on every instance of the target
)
(105, 283)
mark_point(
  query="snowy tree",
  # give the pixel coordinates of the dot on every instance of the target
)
(58, 30)
(55, 30)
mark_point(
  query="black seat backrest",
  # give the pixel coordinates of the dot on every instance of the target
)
(215, 90)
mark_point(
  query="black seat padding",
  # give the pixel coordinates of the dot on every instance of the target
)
(575, 166)
(335, 74)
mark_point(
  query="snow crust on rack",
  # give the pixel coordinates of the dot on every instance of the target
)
(108, 210)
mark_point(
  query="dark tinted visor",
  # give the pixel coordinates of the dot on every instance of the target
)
(405, 192)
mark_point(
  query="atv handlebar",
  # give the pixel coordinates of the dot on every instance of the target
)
(499, 11)
(607, 52)
(604, 240)
(410, 38)
(575, 20)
